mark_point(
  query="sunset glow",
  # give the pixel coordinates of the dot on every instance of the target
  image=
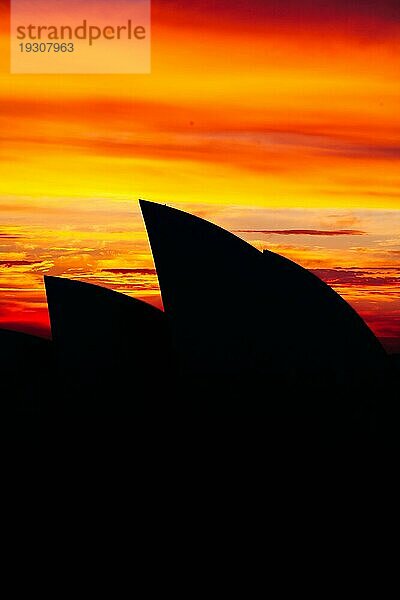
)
(280, 124)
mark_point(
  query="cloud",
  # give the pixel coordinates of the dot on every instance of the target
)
(8, 264)
(358, 278)
(9, 236)
(303, 231)
(375, 152)
(130, 271)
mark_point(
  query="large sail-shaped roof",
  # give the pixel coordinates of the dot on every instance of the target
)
(235, 309)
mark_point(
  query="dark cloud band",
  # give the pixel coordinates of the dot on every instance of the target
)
(303, 231)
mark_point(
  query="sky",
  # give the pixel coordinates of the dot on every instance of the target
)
(277, 121)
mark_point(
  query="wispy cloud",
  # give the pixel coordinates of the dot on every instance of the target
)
(303, 231)
(130, 271)
(360, 278)
(8, 236)
(8, 264)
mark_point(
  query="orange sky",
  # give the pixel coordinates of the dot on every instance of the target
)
(259, 117)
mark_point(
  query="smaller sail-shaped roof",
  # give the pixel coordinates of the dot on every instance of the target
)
(111, 347)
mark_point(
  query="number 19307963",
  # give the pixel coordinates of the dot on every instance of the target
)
(46, 47)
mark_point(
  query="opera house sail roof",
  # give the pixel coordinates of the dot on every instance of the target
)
(105, 340)
(234, 309)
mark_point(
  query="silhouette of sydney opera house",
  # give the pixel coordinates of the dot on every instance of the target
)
(243, 332)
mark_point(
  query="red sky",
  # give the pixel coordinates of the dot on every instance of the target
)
(281, 119)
